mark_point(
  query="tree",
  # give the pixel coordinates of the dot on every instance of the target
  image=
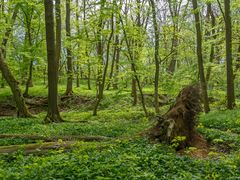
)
(28, 14)
(58, 31)
(156, 56)
(211, 16)
(101, 73)
(133, 67)
(78, 32)
(228, 36)
(69, 90)
(22, 109)
(53, 114)
(200, 57)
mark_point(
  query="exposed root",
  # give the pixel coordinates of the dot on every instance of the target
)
(180, 121)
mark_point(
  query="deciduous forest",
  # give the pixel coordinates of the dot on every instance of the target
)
(119, 89)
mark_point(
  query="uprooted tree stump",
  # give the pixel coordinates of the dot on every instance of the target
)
(178, 124)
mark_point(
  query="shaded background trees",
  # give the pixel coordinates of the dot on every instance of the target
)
(126, 45)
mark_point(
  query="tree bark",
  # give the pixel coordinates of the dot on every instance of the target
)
(30, 43)
(78, 32)
(21, 107)
(58, 32)
(156, 56)
(228, 36)
(213, 33)
(69, 90)
(199, 56)
(53, 114)
(86, 50)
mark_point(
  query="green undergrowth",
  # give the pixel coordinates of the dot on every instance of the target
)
(136, 159)
(125, 155)
(117, 159)
(224, 120)
(107, 123)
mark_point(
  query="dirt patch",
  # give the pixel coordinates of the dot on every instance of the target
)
(7, 109)
(198, 147)
(37, 104)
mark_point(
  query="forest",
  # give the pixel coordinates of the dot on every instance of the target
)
(119, 89)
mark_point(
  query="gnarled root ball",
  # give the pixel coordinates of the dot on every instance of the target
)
(178, 124)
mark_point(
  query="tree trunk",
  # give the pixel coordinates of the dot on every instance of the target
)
(115, 76)
(29, 42)
(78, 33)
(228, 36)
(103, 76)
(69, 90)
(174, 8)
(213, 33)
(112, 66)
(86, 51)
(29, 80)
(2, 81)
(199, 56)
(53, 114)
(156, 55)
(134, 88)
(237, 62)
(58, 32)
(133, 66)
(22, 110)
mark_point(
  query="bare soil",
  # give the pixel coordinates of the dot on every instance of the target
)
(37, 104)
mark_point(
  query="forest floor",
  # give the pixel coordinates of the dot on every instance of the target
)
(110, 145)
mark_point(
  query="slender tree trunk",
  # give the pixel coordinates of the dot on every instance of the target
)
(237, 62)
(213, 33)
(156, 56)
(69, 90)
(112, 66)
(174, 8)
(30, 43)
(103, 77)
(2, 81)
(134, 82)
(134, 86)
(58, 32)
(86, 51)
(100, 60)
(115, 76)
(89, 75)
(200, 58)
(2, 11)
(53, 114)
(22, 110)
(29, 80)
(78, 32)
(228, 36)
(134, 69)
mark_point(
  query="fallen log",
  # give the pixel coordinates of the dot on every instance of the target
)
(43, 148)
(36, 148)
(55, 138)
(177, 126)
